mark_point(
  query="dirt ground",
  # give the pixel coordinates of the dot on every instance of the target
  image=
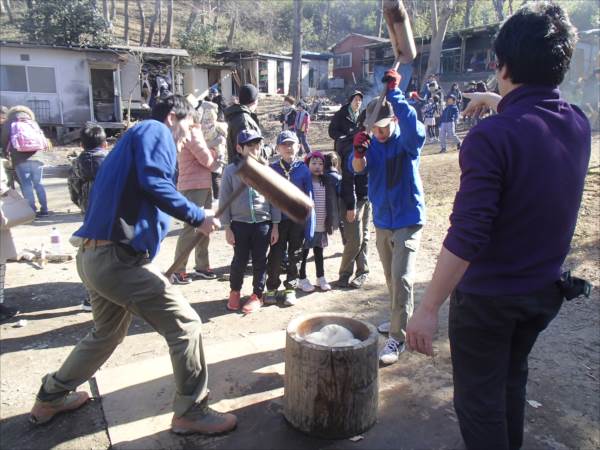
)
(564, 365)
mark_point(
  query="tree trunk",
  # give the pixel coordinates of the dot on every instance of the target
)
(8, 10)
(468, 13)
(296, 72)
(193, 15)
(234, 19)
(168, 33)
(159, 9)
(152, 24)
(499, 7)
(437, 38)
(126, 21)
(29, 4)
(379, 25)
(510, 7)
(331, 394)
(105, 10)
(113, 9)
(142, 22)
(327, 25)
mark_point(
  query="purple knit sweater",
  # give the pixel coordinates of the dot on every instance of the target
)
(521, 185)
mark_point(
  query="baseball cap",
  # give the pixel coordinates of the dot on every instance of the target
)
(386, 113)
(287, 136)
(246, 136)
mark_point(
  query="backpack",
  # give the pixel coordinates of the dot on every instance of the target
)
(26, 136)
(75, 184)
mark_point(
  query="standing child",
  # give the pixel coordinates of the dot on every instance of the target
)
(301, 126)
(291, 234)
(325, 198)
(448, 123)
(429, 120)
(86, 166)
(251, 225)
(83, 173)
(288, 114)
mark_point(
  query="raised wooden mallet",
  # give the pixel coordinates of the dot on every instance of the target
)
(280, 192)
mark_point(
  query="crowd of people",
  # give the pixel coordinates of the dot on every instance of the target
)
(500, 267)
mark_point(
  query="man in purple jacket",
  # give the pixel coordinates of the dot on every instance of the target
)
(513, 220)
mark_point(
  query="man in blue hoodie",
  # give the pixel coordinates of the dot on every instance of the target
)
(522, 178)
(396, 193)
(128, 216)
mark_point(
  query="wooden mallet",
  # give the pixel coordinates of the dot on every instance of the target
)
(403, 44)
(280, 192)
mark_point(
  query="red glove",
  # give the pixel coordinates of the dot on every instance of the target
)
(360, 142)
(392, 78)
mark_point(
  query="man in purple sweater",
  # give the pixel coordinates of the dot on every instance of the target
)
(513, 220)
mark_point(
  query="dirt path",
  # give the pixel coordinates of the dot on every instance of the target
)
(565, 364)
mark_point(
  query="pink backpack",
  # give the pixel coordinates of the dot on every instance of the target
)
(26, 136)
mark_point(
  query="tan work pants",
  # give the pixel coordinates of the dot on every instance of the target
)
(202, 198)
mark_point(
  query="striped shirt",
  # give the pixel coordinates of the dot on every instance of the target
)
(320, 205)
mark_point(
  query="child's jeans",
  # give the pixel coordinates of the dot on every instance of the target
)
(250, 239)
(29, 173)
(302, 137)
(448, 131)
(318, 252)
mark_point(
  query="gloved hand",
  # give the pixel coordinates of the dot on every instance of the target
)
(360, 142)
(392, 78)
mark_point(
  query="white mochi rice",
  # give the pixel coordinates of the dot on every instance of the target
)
(332, 336)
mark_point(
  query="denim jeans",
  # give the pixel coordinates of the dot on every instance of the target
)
(302, 137)
(490, 340)
(30, 179)
(251, 239)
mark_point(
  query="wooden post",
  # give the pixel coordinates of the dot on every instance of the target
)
(331, 392)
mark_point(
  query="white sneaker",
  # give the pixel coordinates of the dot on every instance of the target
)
(384, 328)
(390, 352)
(323, 284)
(305, 285)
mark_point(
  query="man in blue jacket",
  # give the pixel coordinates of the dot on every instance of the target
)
(522, 178)
(127, 218)
(396, 193)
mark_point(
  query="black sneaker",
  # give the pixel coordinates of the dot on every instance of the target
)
(343, 282)
(7, 313)
(359, 281)
(207, 274)
(293, 284)
(458, 146)
(443, 150)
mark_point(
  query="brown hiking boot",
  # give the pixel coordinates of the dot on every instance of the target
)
(43, 412)
(204, 420)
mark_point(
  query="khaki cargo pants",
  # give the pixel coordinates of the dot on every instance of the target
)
(398, 254)
(121, 283)
(356, 235)
(202, 198)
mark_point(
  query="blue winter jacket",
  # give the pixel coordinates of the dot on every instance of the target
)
(136, 183)
(395, 188)
(450, 114)
(299, 175)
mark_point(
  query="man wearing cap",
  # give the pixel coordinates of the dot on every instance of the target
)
(354, 193)
(396, 193)
(240, 117)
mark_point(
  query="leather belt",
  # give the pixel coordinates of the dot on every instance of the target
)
(93, 243)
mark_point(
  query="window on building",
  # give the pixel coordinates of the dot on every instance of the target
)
(27, 79)
(13, 78)
(450, 60)
(41, 79)
(342, 61)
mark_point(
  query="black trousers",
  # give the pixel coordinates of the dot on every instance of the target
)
(291, 238)
(490, 341)
(250, 238)
(318, 252)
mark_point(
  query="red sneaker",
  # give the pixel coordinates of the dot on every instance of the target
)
(234, 301)
(253, 304)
